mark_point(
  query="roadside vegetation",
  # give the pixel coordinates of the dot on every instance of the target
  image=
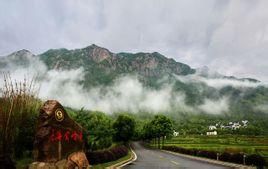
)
(223, 143)
(250, 150)
(239, 158)
(18, 112)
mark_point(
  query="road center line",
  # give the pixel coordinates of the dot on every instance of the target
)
(174, 162)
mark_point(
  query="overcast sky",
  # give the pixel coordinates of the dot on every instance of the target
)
(227, 36)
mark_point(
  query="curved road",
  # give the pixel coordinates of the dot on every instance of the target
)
(154, 159)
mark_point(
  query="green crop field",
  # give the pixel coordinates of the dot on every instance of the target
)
(230, 143)
(227, 143)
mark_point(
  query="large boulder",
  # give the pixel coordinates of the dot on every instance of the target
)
(57, 136)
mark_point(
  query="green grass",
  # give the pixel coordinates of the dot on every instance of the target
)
(223, 143)
(23, 163)
(104, 165)
(227, 143)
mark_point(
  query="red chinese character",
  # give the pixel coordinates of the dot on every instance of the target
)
(58, 136)
(66, 136)
(74, 136)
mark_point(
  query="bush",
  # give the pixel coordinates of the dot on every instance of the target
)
(104, 156)
(255, 159)
(207, 154)
(225, 157)
(99, 128)
(237, 158)
(194, 152)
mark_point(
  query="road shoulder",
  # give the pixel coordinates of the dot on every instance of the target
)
(227, 164)
(121, 164)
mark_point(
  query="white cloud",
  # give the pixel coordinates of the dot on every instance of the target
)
(218, 82)
(215, 106)
(262, 108)
(127, 93)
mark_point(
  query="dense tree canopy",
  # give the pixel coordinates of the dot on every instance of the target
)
(124, 127)
(99, 129)
(160, 127)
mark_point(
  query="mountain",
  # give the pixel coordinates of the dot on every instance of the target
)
(192, 95)
(102, 67)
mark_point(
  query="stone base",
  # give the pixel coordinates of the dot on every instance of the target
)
(42, 165)
(62, 164)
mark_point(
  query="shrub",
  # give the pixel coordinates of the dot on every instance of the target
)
(237, 158)
(225, 157)
(103, 156)
(207, 154)
(19, 104)
(255, 159)
(180, 150)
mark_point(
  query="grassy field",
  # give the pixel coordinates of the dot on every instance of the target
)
(227, 143)
(232, 144)
(23, 163)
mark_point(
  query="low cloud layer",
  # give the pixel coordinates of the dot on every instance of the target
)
(126, 93)
(262, 108)
(218, 83)
(215, 106)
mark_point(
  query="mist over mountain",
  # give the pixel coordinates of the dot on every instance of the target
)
(97, 79)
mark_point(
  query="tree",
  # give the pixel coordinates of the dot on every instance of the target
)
(99, 129)
(124, 127)
(161, 126)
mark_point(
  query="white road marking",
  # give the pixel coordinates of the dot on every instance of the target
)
(174, 162)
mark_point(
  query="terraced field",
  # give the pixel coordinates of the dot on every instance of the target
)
(227, 143)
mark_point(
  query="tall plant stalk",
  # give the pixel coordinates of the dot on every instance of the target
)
(17, 102)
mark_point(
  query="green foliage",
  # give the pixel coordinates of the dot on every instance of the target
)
(23, 143)
(160, 126)
(18, 110)
(252, 159)
(99, 129)
(124, 127)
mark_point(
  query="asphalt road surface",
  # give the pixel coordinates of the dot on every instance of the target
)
(155, 159)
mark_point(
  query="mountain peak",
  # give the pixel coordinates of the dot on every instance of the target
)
(22, 52)
(93, 46)
(98, 53)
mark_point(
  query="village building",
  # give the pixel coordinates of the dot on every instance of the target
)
(213, 133)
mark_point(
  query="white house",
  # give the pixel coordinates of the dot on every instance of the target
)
(175, 133)
(245, 122)
(212, 127)
(236, 126)
(213, 133)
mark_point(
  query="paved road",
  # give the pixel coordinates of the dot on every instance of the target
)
(156, 159)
